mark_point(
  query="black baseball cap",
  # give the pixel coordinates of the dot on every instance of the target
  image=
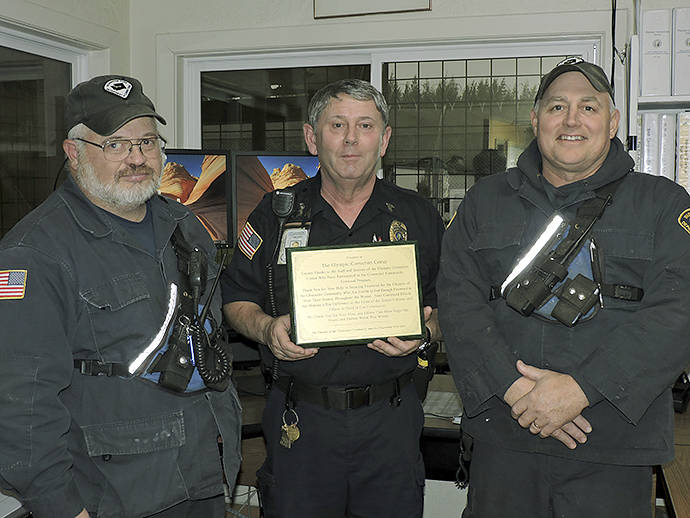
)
(105, 103)
(594, 74)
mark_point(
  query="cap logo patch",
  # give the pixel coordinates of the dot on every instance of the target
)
(119, 87)
(571, 61)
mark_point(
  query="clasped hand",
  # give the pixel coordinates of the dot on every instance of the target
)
(549, 404)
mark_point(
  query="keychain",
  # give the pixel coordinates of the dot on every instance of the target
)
(289, 433)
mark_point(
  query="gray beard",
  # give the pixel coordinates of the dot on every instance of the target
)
(113, 194)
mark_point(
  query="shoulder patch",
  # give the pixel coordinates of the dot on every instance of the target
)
(12, 284)
(249, 241)
(684, 220)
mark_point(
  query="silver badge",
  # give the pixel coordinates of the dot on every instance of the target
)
(292, 237)
(119, 87)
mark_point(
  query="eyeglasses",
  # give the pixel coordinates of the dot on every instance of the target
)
(116, 150)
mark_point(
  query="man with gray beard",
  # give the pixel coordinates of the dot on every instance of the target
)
(114, 389)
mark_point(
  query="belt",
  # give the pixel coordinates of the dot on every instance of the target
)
(343, 398)
(96, 368)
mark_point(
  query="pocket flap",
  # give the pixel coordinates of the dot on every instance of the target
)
(626, 244)
(497, 236)
(144, 435)
(118, 292)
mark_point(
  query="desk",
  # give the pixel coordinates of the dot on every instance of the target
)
(440, 442)
(676, 474)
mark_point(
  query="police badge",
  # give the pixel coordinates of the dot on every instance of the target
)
(397, 231)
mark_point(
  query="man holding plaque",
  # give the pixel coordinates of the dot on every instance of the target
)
(342, 423)
(565, 314)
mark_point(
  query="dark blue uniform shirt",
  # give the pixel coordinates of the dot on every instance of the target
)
(245, 279)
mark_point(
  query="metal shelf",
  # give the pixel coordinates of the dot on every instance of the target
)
(666, 102)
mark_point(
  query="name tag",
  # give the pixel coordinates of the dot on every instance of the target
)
(292, 237)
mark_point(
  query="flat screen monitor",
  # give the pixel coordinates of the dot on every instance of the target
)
(256, 173)
(198, 179)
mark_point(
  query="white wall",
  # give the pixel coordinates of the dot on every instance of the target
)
(164, 32)
(150, 38)
(98, 28)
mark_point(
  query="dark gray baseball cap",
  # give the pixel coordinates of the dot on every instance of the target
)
(106, 103)
(594, 74)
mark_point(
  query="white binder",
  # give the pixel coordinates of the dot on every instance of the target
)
(655, 70)
(667, 145)
(681, 51)
(683, 150)
(650, 143)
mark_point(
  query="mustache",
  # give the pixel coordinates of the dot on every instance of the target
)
(136, 170)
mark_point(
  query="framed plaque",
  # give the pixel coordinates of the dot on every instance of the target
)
(337, 8)
(354, 294)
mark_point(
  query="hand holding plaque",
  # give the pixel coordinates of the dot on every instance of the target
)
(354, 295)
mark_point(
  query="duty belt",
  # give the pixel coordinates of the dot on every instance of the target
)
(96, 368)
(343, 398)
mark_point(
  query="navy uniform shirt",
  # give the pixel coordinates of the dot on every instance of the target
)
(388, 206)
(90, 290)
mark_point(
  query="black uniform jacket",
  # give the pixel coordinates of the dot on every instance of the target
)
(245, 279)
(625, 358)
(121, 447)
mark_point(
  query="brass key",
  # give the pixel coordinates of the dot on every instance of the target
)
(289, 433)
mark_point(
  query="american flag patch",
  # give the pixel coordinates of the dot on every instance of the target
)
(12, 284)
(249, 241)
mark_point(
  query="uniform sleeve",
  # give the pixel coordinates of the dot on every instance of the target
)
(480, 359)
(35, 366)
(244, 279)
(646, 353)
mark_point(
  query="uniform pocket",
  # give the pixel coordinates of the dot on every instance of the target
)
(119, 312)
(138, 459)
(118, 292)
(145, 435)
(627, 256)
(498, 247)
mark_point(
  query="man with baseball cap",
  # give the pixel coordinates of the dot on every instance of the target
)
(563, 296)
(114, 391)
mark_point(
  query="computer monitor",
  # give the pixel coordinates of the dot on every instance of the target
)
(256, 173)
(199, 179)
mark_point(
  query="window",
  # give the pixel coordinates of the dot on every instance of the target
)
(32, 95)
(246, 110)
(457, 111)
(456, 120)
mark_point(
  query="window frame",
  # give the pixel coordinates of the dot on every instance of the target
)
(47, 48)
(191, 67)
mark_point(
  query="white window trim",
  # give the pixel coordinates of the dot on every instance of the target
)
(45, 47)
(192, 67)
